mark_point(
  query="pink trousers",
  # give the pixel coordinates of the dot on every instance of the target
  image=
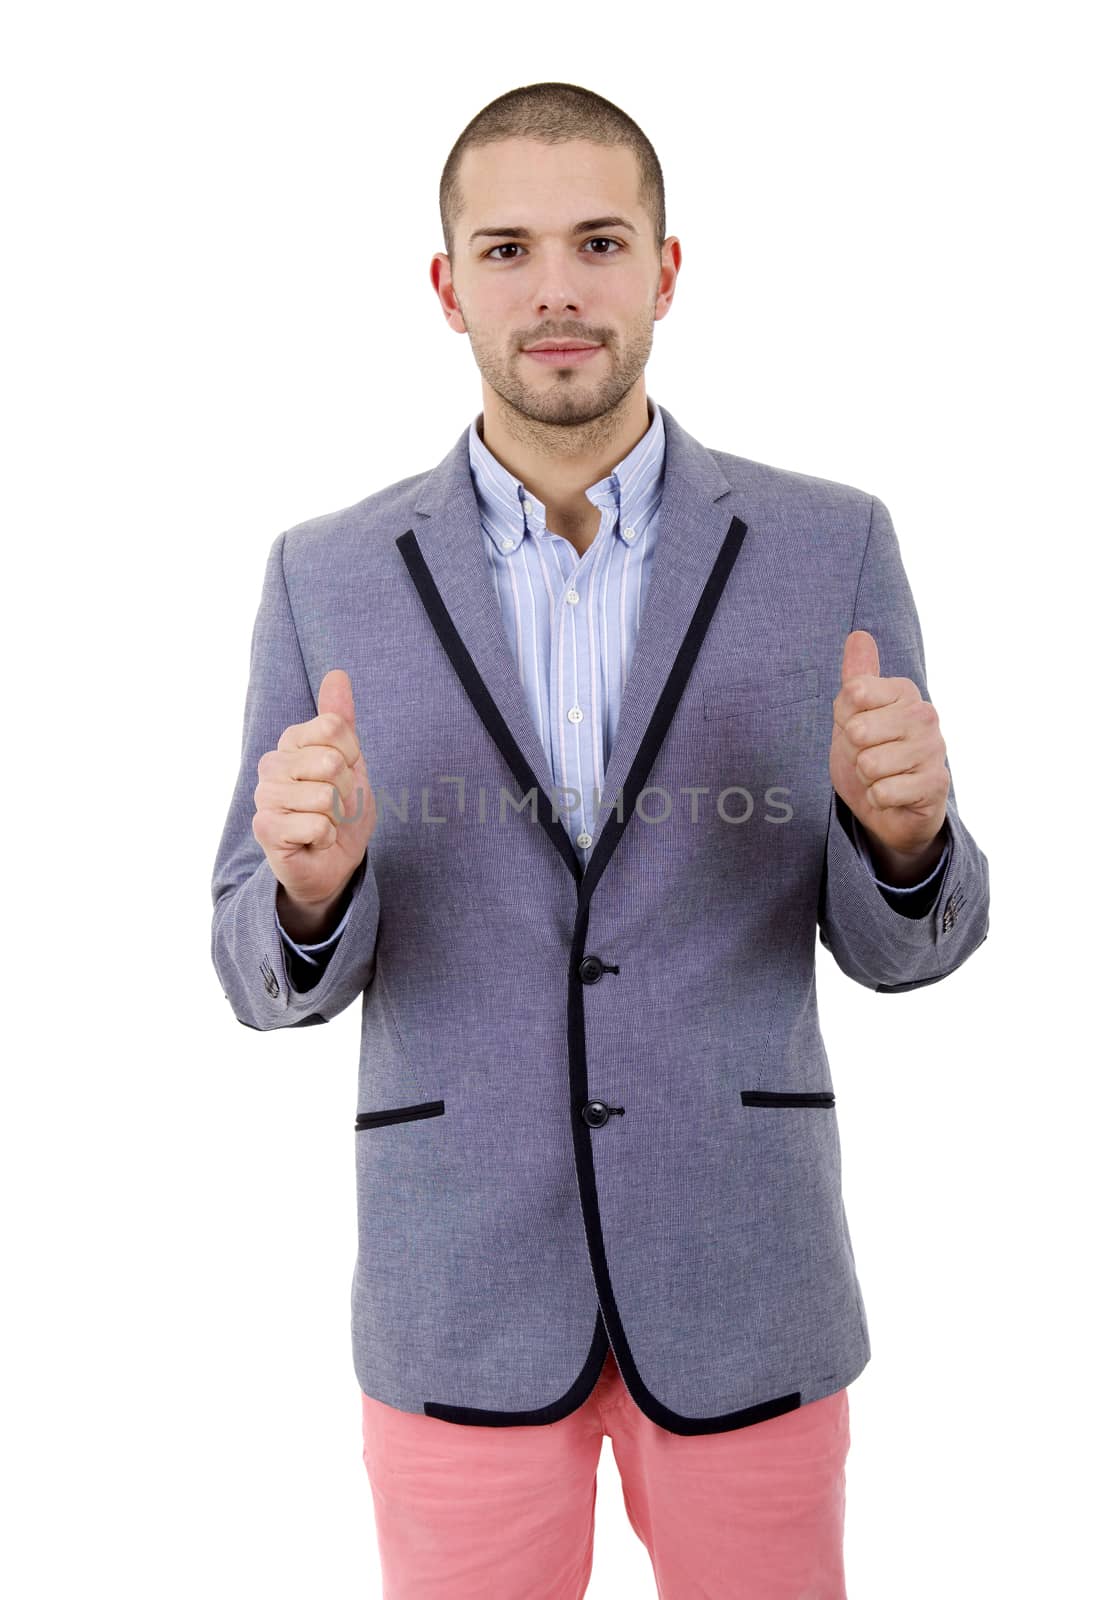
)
(475, 1513)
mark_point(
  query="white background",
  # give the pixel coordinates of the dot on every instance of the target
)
(219, 323)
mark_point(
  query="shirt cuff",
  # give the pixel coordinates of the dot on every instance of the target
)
(323, 944)
(895, 888)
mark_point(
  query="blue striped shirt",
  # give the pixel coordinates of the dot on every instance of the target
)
(572, 619)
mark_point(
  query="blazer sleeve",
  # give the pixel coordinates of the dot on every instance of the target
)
(267, 984)
(872, 940)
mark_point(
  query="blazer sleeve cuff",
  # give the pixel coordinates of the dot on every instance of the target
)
(257, 965)
(887, 949)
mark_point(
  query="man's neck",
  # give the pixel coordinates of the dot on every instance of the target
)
(559, 483)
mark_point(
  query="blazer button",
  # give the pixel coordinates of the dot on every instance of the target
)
(595, 1113)
(590, 969)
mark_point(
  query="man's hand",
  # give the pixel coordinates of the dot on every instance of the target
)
(314, 840)
(888, 760)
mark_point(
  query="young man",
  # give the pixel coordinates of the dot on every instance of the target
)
(642, 718)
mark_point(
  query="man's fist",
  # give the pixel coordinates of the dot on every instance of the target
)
(314, 807)
(887, 756)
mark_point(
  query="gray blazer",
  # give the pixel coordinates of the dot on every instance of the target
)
(594, 1105)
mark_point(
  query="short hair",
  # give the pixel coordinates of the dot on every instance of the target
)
(553, 113)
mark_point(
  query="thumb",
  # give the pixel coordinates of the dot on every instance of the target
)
(336, 694)
(860, 656)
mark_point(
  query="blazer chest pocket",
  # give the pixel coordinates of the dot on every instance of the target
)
(776, 1097)
(760, 694)
(377, 1119)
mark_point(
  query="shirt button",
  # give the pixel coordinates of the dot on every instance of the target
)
(572, 597)
(629, 533)
(585, 840)
(575, 714)
(528, 507)
(507, 544)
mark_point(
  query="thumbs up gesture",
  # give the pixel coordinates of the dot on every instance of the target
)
(888, 758)
(315, 811)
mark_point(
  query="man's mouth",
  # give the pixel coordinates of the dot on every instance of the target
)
(564, 355)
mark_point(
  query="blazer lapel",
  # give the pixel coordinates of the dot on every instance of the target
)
(683, 587)
(692, 531)
(449, 538)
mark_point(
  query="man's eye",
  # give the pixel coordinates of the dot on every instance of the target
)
(595, 240)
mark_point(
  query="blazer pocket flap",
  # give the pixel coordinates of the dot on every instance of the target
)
(738, 699)
(778, 1097)
(378, 1119)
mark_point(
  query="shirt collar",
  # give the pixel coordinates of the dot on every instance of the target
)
(633, 489)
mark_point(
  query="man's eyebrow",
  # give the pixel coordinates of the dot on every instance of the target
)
(579, 227)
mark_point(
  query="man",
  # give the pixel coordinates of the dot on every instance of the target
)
(586, 664)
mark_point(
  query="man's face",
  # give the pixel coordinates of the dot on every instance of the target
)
(512, 289)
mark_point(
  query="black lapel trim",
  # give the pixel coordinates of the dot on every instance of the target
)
(607, 1327)
(499, 731)
(486, 706)
(665, 707)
